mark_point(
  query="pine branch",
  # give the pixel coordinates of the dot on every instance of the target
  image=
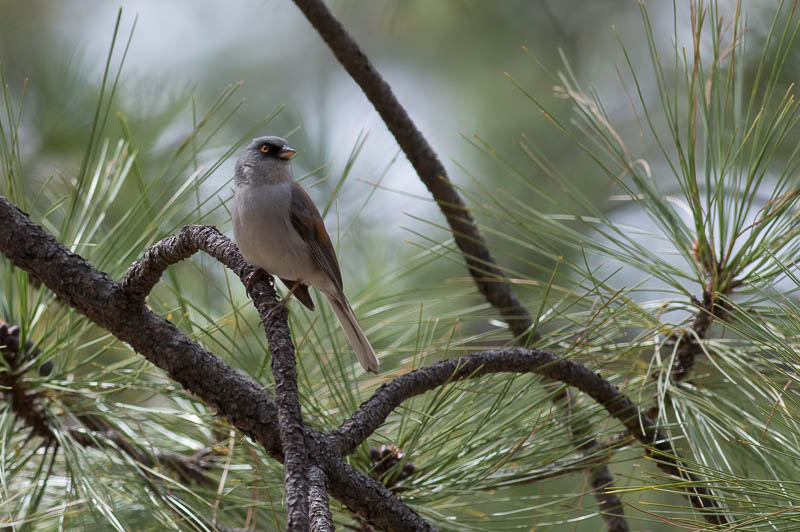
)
(374, 411)
(320, 513)
(488, 276)
(689, 341)
(242, 401)
(24, 404)
(248, 408)
(28, 406)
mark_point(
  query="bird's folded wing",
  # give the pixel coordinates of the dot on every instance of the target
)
(308, 223)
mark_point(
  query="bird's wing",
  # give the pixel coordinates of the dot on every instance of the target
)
(308, 223)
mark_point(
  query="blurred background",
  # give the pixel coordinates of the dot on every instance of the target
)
(446, 61)
(461, 68)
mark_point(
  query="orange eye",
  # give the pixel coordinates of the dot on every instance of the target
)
(265, 148)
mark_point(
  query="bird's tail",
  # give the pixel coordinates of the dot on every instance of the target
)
(362, 347)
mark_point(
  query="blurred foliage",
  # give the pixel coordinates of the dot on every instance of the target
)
(612, 206)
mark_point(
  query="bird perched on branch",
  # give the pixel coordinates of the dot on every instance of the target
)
(279, 229)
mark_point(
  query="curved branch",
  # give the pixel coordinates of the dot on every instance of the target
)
(243, 402)
(142, 277)
(485, 272)
(94, 294)
(143, 274)
(389, 396)
(373, 411)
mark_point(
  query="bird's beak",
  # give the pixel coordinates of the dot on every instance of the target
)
(286, 152)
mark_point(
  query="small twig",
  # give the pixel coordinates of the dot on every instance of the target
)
(689, 341)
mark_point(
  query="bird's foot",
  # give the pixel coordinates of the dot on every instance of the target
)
(254, 277)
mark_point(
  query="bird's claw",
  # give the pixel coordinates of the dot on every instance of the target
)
(253, 278)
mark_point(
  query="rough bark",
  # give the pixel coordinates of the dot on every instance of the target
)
(120, 310)
(485, 272)
(319, 511)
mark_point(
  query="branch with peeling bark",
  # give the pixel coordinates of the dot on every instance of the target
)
(243, 402)
(320, 512)
(248, 407)
(487, 275)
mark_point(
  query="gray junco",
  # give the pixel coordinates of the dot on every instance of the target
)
(278, 228)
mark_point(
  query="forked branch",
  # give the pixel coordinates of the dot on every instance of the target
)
(246, 405)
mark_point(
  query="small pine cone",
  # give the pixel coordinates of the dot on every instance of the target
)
(11, 340)
(384, 459)
(46, 368)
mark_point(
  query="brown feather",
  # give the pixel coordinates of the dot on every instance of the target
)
(308, 223)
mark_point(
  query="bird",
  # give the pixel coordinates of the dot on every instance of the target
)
(278, 229)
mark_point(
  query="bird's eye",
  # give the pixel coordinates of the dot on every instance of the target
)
(264, 148)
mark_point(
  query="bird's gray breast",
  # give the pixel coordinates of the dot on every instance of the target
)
(264, 233)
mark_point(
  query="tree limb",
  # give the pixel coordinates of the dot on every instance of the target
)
(485, 272)
(373, 412)
(243, 402)
(319, 510)
(251, 410)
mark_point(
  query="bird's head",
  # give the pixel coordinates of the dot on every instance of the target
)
(266, 159)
